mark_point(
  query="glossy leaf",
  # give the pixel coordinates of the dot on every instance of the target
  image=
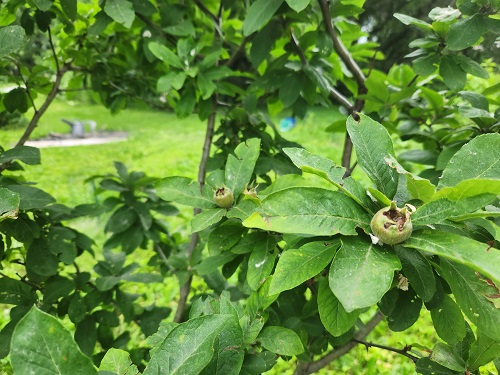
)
(261, 263)
(41, 345)
(310, 211)
(449, 321)
(185, 191)
(239, 167)
(373, 144)
(478, 159)
(280, 340)
(316, 164)
(466, 32)
(259, 13)
(336, 320)
(483, 351)
(166, 55)
(296, 266)
(188, 348)
(445, 356)
(121, 11)
(471, 294)
(298, 5)
(224, 237)
(361, 273)
(118, 362)
(206, 218)
(12, 38)
(459, 249)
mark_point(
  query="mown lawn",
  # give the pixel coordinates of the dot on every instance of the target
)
(162, 145)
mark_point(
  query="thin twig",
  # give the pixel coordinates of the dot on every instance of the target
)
(395, 350)
(236, 54)
(312, 367)
(295, 43)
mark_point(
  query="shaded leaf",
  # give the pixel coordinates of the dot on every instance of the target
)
(12, 38)
(466, 32)
(336, 320)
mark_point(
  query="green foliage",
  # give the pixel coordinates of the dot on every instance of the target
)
(290, 267)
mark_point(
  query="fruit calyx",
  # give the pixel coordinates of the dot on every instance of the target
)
(223, 197)
(392, 225)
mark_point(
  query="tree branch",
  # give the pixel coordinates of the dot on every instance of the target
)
(395, 350)
(312, 367)
(195, 238)
(339, 46)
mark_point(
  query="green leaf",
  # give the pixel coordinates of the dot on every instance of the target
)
(261, 263)
(9, 204)
(407, 20)
(121, 220)
(439, 210)
(471, 294)
(280, 340)
(259, 13)
(121, 11)
(466, 32)
(185, 191)
(210, 264)
(336, 320)
(290, 89)
(459, 249)
(224, 237)
(69, 8)
(41, 345)
(16, 99)
(445, 356)
(453, 75)
(298, 5)
(418, 271)
(427, 367)
(483, 351)
(449, 321)
(310, 211)
(206, 86)
(189, 347)
(26, 154)
(478, 159)
(472, 67)
(373, 144)
(32, 198)
(12, 39)
(239, 168)
(315, 164)
(165, 54)
(361, 273)
(407, 310)
(118, 361)
(296, 266)
(206, 218)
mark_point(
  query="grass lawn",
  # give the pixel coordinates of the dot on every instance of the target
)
(162, 145)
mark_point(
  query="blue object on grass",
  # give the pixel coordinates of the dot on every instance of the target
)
(287, 124)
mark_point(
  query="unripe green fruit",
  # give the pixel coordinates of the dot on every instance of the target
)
(223, 197)
(392, 225)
